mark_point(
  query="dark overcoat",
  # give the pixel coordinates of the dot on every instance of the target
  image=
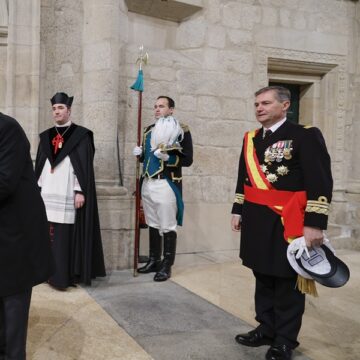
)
(25, 253)
(263, 247)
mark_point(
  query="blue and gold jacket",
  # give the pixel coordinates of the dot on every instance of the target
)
(170, 170)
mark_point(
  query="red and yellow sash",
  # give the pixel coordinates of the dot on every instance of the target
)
(290, 205)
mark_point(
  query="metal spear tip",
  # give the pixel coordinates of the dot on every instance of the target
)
(143, 57)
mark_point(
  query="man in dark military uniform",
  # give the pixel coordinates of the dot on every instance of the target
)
(167, 147)
(283, 191)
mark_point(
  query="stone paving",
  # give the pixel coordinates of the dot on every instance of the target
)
(193, 316)
(170, 322)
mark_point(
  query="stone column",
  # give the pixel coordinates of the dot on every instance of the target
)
(4, 16)
(352, 147)
(4, 21)
(101, 44)
(104, 34)
(23, 66)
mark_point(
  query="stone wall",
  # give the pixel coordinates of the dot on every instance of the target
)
(61, 39)
(19, 71)
(210, 63)
(346, 212)
(213, 62)
(4, 22)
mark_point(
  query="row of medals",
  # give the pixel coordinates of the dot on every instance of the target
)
(277, 152)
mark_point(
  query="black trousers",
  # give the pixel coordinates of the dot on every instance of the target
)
(279, 308)
(14, 315)
(61, 237)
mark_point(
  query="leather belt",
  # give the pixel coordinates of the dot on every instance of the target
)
(158, 176)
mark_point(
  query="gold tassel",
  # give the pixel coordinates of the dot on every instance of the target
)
(306, 286)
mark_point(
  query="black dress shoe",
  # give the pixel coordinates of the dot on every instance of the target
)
(163, 274)
(56, 288)
(165, 271)
(151, 266)
(279, 352)
(253, 338)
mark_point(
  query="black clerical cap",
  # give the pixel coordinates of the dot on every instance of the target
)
(62, 98)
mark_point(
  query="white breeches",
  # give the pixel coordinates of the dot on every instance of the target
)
(159, 203)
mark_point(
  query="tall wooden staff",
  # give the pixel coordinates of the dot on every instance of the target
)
(139, 87)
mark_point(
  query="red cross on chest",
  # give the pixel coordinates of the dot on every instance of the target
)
(57, 142)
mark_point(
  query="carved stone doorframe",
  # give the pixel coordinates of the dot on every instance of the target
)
(325, 92)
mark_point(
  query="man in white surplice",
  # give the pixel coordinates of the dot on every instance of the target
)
(65, 172)
(59, 195)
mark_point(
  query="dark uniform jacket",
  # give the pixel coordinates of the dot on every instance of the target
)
(25, 253)
(88, 258)
(171, 169)
(307, 168)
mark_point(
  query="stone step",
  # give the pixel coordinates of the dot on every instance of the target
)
(345, 243)
(334, 231)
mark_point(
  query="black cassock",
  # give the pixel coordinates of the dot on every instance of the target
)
(86, 259)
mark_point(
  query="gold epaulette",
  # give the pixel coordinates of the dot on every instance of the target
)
(307, 126)
(184, 127)
(319, 206)
(239, 198)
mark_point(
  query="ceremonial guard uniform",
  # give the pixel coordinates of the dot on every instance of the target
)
(180, 154)
(64, 167)
(166, 148)
(283, 191)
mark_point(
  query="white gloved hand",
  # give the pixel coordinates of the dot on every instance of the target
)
(137, 150)
(161, 155)
(301, 248)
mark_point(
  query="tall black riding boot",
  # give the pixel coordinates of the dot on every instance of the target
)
(169, 257)
(154, 262)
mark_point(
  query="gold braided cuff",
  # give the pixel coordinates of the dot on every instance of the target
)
(320, 206)
(239, 198)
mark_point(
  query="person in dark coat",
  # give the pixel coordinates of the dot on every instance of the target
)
(65, 172)
(167, 147)
(25, 254)
(283, 191)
